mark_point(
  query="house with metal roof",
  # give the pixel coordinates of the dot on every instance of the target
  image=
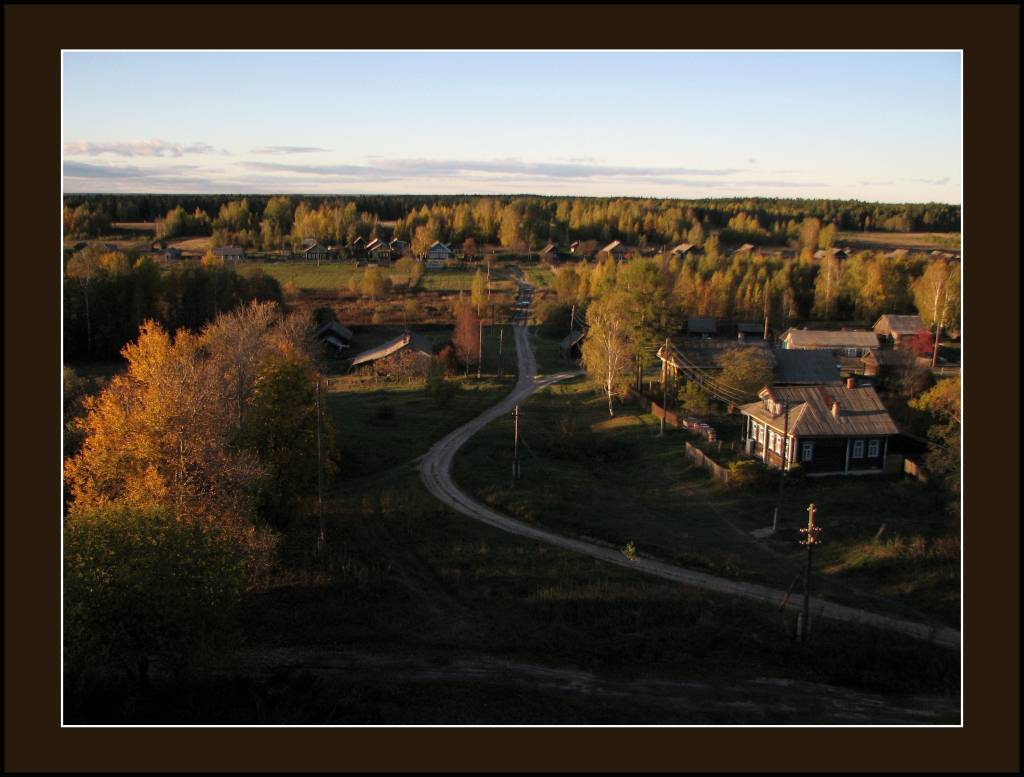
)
(440, 251)
(406, 355)
(335, 335)
(848, 342)
(805, 368)
(682, 249)
(229, 253)
(616, 250)
(894, 327)
(826, 430)
(701, 326)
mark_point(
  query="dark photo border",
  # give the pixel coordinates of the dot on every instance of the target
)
(988, 741)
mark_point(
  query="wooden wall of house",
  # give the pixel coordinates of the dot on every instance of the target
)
(829, 454)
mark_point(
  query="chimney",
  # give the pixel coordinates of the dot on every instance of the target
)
(851, 383)
(835, 409)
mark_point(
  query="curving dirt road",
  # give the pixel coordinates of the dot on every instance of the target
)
(435, 470)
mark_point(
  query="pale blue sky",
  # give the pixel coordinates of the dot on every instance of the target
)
(872, 126)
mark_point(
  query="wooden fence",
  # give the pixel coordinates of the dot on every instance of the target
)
(698, 457)
(694, 425)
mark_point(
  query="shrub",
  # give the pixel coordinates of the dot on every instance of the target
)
(142, 584)
(745, 472)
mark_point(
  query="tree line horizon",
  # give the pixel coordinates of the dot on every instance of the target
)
(517, 221)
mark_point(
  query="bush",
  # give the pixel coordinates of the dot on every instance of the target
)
(745, 472)
(438, 387)
(143, 585)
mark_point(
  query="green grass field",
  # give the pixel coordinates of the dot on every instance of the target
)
(914, 241)
(616, 481)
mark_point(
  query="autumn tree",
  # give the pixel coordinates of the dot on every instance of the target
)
(746, 370)
(607, 349)
(826, 289)
(83, 267)
(466, 337)
(937, 298)
(478, 292)
(942, 404)
(374, 283)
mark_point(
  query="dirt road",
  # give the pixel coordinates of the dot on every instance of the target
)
(436, 466)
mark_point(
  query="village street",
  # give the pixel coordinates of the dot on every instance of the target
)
(436, 466)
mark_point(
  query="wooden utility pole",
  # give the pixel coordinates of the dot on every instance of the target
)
(501, 337)
(515, 453)
(321, 539)
(785, 463)
(766, 328)
(810, 540)
(664, 388)
(480, 351)
(572, 318)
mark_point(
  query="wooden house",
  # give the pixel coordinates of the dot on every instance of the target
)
(895, 328)
(682, 250)
(379, 252)
(315, 252)
(572, 343)
(407, 355)
(702, 327)
(334, 335)
(616, 250)
(439, 250)
(229, 253)
(845, 342)
(549, 253)
(827, 430)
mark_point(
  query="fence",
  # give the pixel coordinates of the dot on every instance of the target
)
(694, 425)
(914, 468)
(698, 457)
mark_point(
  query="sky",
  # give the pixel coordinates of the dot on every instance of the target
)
(873, 126)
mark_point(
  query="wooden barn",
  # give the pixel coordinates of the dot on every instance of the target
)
(827, 430)
(229, 253)
(408, 355)
(616, 250)
(334, 335)
(895, 328)
(845, 342)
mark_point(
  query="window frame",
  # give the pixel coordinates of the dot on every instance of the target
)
(857, 445)
(874, 445)
(807, 450)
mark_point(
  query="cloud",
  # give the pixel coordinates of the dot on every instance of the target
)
(877, 183)
(932, 181)
(132, 148)
(289, 150)
(86, 170)
(392, 169)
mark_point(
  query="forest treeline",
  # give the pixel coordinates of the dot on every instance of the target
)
(519, 221)
(107, 296)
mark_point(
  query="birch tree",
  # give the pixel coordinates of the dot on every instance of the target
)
(607, 349)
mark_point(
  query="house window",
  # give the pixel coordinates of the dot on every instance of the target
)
(858, 449)
(760, 434)
(872, 449)
(807, 451)
(778, 444)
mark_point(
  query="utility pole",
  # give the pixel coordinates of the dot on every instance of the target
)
(664, 387)
(501, 337)
(766, 329)
(321, 539)
(515, 454)
(785, 463)
(572, 318)
(480, 350)
(810, 541)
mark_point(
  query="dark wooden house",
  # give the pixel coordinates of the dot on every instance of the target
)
(895, 328)
(827, 430)
(407, 355)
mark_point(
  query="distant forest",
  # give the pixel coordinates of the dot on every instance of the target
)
(526, 221)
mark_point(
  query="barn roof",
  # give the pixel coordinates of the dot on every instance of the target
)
(228, 251)
(408, 340)
(571, 339)
(901, 325)
(822, 338)
(701, 325)
(612, 246)
(805, 367)
(861, 412)
(335, 329)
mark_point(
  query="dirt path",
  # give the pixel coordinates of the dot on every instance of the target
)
(436, 467)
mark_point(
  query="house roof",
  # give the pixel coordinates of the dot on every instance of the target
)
(335, 329)
(438, 244)
(314, 247)
(889, 357)
(750, 327)
(744, 248)
(701, 325)
(805, 367)
(900, 325)
(571, 339)
(358, 241)
(821, 338)
(682, 248)
(612, 246)
(375, 242)
(336, 343)
(408, 340)
(308, 241)
(861, 412)
(550, 248)
(228, 251)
